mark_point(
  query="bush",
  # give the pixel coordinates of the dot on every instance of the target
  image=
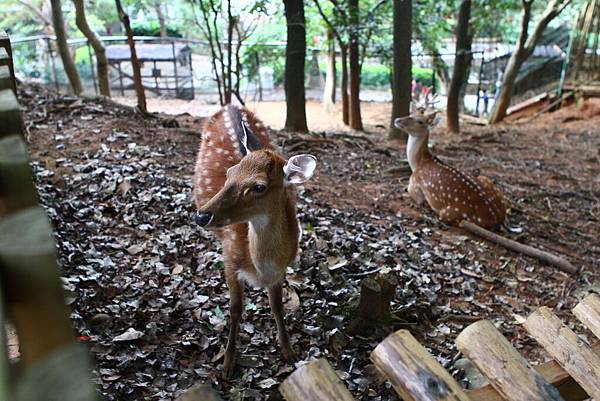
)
(379, 75)
(152, 28)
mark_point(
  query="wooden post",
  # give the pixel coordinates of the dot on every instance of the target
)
(315, 381)
(588, 312)
(10, 113)
(5, 44)
(16, 188)
(508, 372)
(413, 372)
(576, 357)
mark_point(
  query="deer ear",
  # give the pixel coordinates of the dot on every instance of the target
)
(299, 169)
(434, 119)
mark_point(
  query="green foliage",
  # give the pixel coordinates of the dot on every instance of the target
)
(152, 28)
(375, 75)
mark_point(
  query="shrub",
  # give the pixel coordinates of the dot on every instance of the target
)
(152, 28)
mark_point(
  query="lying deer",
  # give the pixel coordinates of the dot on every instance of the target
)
(453, 195)
(245, 191)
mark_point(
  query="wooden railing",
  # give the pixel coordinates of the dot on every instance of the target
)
(52, 364)
(573, 375)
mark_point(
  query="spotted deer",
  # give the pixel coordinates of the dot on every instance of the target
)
(453, 195)
(244, 190)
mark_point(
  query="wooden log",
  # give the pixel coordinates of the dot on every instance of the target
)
(507, 371)
(315, 381)
(369, 314)
(554, 374)
(414, 373)
(588, 312)
(32, 287)
(575, 356)
(5, 78)
(527, 250)
(199, 392)
(10, 113)
(16, 181)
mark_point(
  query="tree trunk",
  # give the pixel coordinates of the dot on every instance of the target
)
(460, 65)
(402, 71)
(295, 56)
(354, 50)
(441, 70)
(523, 50)
(161, 19)
(330, 78)
(344, 85)
(137, 75)
(227, 80)
(94, 40)
(63, 47)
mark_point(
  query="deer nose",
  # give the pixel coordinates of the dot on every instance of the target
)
(203, 219)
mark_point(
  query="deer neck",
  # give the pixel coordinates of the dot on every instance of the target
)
(416, 151)
(273, 236)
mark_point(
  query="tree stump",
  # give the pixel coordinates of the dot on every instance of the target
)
(374, 305)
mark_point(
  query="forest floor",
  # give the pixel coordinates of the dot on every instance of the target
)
(147, 289)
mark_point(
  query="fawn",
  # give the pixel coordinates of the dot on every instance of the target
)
(244, 190)
(453, 195)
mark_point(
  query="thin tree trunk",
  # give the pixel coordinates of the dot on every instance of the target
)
(330, 78)
(229, 85)
(63, 47)
(137, 75)
(295, 56)
(460, 64)
(344, 85)
(161, 19)
(354, 54)
(402, 67)
(523, 50)
(94, 40)
(441, 70)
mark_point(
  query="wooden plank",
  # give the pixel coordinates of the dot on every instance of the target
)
(4, 58)
(5, 78)
(575, 356)
(16, 179)
(413, 372)
(315, 381)
(5, 44)
(507, 371)
(10, 114)
(588, 312)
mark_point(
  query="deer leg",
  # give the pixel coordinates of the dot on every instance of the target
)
(450, 216)
(415, 192)
(276, 302)
(236, 301)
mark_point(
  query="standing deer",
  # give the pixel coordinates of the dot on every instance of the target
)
(453, 195)
(245, 191)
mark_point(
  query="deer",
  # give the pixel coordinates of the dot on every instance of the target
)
(452, 194)
(244, 190)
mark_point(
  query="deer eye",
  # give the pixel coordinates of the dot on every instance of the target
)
(259, 188)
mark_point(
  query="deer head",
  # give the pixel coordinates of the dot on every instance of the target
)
(417, 125)
(255, 187)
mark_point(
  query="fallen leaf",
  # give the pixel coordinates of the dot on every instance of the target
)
(129, 335)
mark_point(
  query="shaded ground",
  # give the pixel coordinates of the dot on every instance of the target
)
(118, 191)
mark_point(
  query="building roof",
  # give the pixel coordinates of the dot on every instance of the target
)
(146, 52)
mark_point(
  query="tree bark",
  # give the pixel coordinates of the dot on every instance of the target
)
(228, 85)
(331, 77)
(344, 85)
(460, 66)
(63, 47)
(161, 19)
(137, 75)
(354, 54)
(295, 56)
(402, 63)
(94, 40)
(524, 49)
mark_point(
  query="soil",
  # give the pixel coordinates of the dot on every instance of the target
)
(117, 188)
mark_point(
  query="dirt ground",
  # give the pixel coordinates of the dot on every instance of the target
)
(117, 188)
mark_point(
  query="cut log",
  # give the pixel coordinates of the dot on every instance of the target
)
(588, 312)
(414, 373)
(315, 381)
(33, 290)
(508, 372)
(10, 113)
(552, 372)
(576, 357)
(16, 182)
(527, 250)
(374, 304)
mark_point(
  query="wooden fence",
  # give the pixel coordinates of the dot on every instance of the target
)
(52, 365)
(573, 375)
